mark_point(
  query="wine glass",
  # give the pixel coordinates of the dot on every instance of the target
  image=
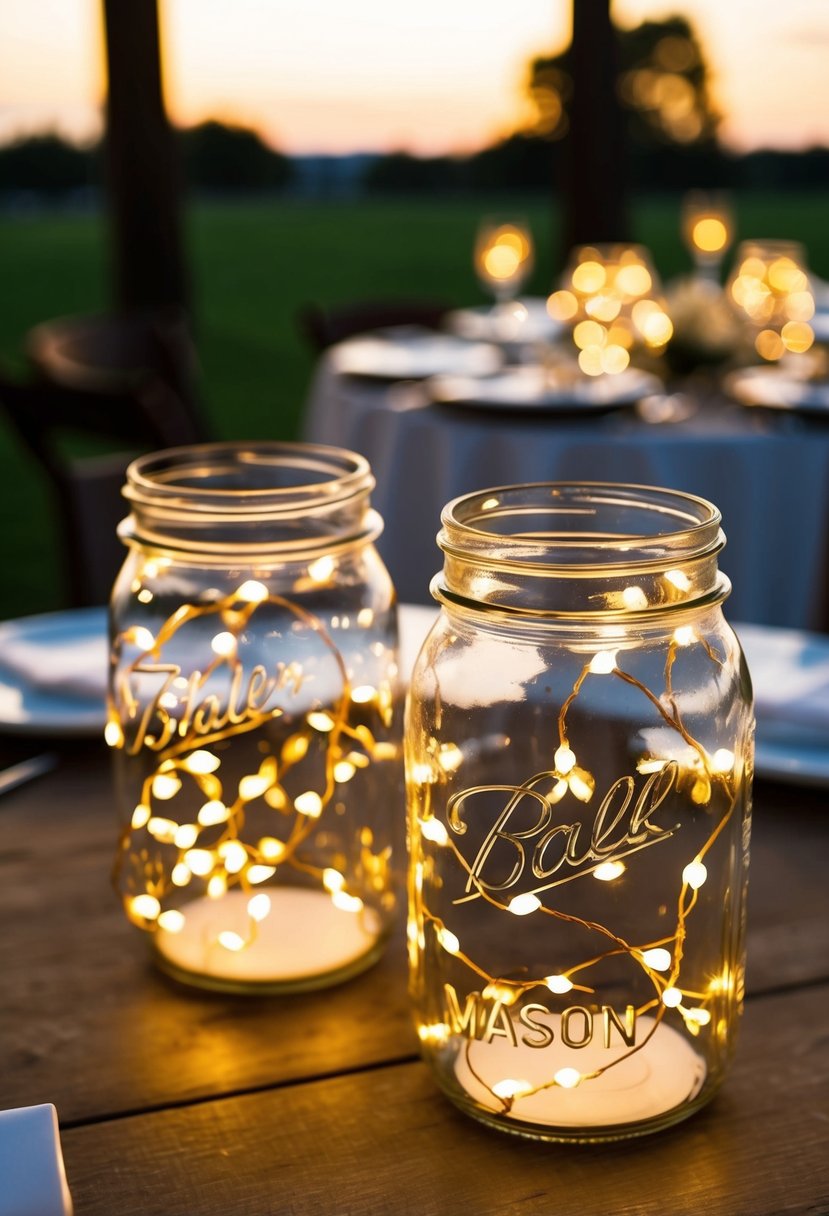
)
(708, 229)
(503, 257)
(769, 286)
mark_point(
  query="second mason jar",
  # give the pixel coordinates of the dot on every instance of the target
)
(579, 758)
(254, 715)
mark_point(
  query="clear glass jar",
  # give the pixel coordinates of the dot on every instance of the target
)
(255, 716)
(579, 751)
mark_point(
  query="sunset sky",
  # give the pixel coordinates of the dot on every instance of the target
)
(432, 77)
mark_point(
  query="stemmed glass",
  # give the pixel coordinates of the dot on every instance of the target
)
(503, 257)
(708, 230)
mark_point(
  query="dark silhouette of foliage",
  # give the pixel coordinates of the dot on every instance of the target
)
(520, 160)
(226, 158)
(671, 128)
(401, 172)
(46, 164)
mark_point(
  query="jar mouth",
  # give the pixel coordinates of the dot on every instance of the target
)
(247, 478)
(284, 499)
(577, 548)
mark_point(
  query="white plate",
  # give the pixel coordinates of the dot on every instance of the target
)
(53, 673)
(535, 388)
(790, 673)
(412, 354)
(524, 320)
(68, 651)
(772, 388)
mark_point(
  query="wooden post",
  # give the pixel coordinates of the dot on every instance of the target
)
(595, 164)
(142, 167)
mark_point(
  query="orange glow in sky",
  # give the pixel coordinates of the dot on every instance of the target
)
(438, 76)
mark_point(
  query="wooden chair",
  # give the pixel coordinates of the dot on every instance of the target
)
(101, 390)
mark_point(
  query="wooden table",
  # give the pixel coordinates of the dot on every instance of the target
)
(173, 1101)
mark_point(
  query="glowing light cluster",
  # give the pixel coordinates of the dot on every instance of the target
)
(503, 256)
(770, 287)
(610, 296)
(699, 774)
(163, 852)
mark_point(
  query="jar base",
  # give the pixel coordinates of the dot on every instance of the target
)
(584, 1135)
(304, 942)
(590, 1094)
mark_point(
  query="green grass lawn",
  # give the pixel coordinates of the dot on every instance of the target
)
(254, 264)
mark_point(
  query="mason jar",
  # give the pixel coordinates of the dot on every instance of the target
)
(579, 751)
(255, 716)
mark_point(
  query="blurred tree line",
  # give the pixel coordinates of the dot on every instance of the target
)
(671, 129)
(214, 157)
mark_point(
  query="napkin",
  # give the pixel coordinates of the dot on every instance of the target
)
(75, 667)
(32, 1176)
(790, 673)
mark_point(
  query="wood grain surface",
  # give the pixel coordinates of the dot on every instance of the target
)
(386, 1142)
(173, 1101)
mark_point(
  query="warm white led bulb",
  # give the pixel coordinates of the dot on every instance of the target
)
(259, 906)
(634, 599)
(332, 879)
(113, 735)
(609, 870)
(363, 694)
(223, 644)
(201, 762)
(234, 855)
(523, 905)
(603, 662)
(511, 1088)
(564, 759)
(449, 941)
(567, 1078)
(257, 874)
(657, 958)
(231, 941)
(199, 861)
(678, 579)
(309, 803)
(694, 874)
(252, 591)
(433, 830)
(165, 785)
(558, 984)
(171, 921)
(186, 836)
(346, 902)
(723, 760)
(321, 570)
(213, 812)
(253, 786)
(146, 906)
(684, 635)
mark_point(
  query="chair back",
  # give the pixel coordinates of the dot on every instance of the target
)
(101, 391)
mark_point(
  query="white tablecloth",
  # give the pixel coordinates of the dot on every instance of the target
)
(767, 473)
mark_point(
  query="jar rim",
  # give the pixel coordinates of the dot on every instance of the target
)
(176, 479)
(461, 519)
(581, 549)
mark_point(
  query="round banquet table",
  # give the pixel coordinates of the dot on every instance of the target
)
(767, 472)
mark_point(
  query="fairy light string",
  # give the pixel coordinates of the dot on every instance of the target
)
(660, 959)
(211, 848)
